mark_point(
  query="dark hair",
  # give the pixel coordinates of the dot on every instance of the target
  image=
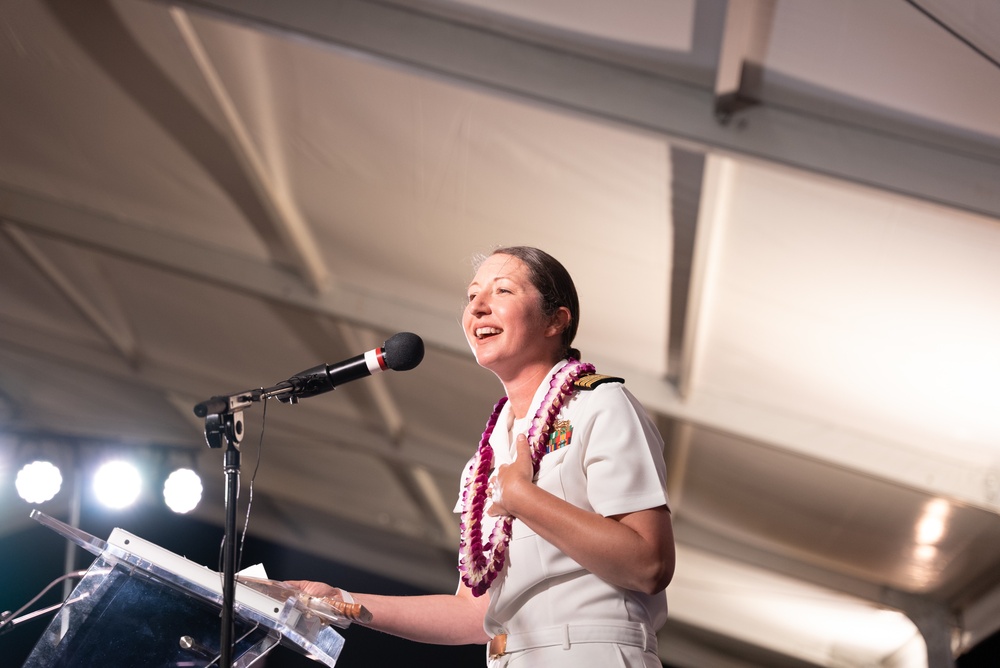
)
(556, 286)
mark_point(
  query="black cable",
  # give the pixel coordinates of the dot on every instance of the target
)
(246, 523)
(954, 33)
(256, 468)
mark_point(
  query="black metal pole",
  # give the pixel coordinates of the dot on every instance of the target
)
(224, 427)
(231, 466)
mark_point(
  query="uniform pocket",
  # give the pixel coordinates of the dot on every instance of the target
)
(548, 469)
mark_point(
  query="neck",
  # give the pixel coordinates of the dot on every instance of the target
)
(521, 387)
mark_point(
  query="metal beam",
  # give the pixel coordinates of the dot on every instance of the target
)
(717, 594)
(687, 173)
(289, 225)
(678, 453)
(980, 619)
(936, 470)
(938, 473)
(741, 56)
(935, 622)
(714, 191)
(950, 172)
(218, 266)
(119, 336)
(976, 24)
(433, 452)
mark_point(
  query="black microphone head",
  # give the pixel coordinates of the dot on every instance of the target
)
(403, 351)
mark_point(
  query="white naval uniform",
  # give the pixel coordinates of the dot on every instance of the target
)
(613, 464)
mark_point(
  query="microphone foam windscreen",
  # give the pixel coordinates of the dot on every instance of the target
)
(403, 351)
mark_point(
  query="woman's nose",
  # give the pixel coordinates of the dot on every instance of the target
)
(479, 304)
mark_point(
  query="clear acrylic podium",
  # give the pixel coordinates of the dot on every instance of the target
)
(139, 605)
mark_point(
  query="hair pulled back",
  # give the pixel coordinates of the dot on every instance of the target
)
(554, 284)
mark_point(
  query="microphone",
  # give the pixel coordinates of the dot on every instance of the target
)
(400, 352)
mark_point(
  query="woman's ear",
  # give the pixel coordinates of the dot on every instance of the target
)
(559, 321)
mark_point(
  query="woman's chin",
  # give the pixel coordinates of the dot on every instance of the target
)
(487, 359)
(484, 360)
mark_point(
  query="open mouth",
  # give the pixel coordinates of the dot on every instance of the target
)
(486, 332)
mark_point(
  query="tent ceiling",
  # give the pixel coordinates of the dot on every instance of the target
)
(782, 218)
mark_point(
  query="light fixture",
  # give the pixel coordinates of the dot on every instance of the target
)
(933, 522)
(182, 490)
(38, 481)
(117, 484)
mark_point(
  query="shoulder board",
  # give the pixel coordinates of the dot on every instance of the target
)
(590, 381)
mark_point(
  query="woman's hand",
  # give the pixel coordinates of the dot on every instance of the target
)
(634, 550)
(510, 480)
(318, 589)
(442, 619)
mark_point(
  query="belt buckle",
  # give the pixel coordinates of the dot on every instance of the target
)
(498, 645)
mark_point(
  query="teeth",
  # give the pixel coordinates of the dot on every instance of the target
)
(486, 331)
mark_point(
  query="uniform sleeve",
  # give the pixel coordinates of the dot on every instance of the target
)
(624, 457)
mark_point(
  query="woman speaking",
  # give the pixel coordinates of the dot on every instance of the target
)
(566, 538)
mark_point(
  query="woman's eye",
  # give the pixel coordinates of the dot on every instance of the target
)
(472, 296)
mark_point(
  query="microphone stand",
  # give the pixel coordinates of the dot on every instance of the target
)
(224, 427)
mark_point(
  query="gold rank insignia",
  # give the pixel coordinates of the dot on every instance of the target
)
(592, 380)
(562, 434)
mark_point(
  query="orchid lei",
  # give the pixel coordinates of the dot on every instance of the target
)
(480, 563)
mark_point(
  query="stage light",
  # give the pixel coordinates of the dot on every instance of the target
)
(182, 490)
(38, 481)
(117, 484)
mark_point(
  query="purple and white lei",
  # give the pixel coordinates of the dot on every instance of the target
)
(478, 562)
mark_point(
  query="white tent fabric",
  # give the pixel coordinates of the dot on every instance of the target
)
(782, 218)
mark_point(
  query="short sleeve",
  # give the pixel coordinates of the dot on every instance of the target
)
(624, 463)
